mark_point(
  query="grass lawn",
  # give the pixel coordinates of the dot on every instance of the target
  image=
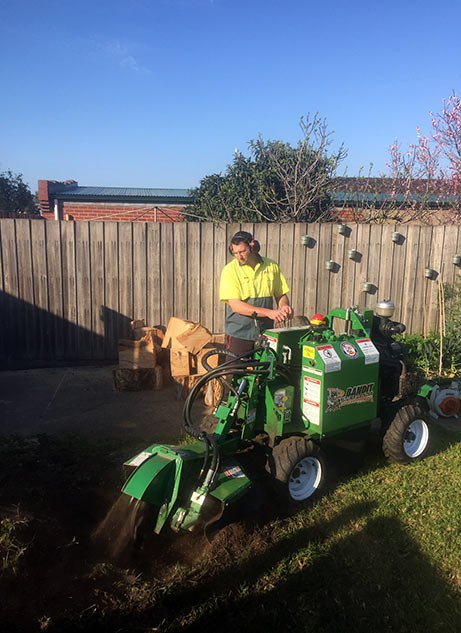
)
(380, 552)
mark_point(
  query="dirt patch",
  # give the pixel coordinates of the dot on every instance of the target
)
(83, 400)
(61, 492)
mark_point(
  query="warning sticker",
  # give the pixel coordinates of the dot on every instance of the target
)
(272, 342)
(312, 370)
(308, 352)
(369, 350)
(311, 411)
(234, 472)
(139, 459)
(311, 389)
(330, 358)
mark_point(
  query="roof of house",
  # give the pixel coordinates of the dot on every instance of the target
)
(343, 190)
(128, 194)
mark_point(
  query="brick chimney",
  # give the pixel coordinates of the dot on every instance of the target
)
(46, 189)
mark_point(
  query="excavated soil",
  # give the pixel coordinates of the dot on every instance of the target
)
(64, 437)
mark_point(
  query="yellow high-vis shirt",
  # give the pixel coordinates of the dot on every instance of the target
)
(256, 286)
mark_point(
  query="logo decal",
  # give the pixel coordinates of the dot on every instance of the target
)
(357, 394)
(349, 350)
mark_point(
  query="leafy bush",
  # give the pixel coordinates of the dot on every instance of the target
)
(424, 352)
(453, 305)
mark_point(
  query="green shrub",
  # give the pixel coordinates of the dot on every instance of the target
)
(424, 352)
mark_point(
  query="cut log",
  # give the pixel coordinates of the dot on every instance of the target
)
(184, 385)
(134, 379)
(195, 338)
(185, 335)
(140, 354)
(155, 333)
(212, 393)
(180, 363)
(218, 339)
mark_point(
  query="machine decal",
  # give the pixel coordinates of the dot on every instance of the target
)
(308, 352)
(311, 411)
(369, 350)
(349, 350)
(330, 358)
(312, 370)
(311, 389)
(272, 342)
(356, 394)
(234, 472)
(139, 459)
(283, 400)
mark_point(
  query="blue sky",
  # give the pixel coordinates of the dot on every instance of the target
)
(158, 93)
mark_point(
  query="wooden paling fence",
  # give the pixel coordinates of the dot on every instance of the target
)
(68, 290)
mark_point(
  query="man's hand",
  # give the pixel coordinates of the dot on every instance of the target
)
(287, 311)
(281, 314)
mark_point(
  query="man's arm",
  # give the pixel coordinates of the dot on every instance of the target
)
(246, 309)
(284, 305)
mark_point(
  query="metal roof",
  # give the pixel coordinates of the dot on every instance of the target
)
(118, 192)
(123, 194)
(364, 197)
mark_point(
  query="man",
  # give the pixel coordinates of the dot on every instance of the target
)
(248, 285)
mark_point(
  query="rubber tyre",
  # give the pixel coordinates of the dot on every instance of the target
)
(408, 437)
(299, 469)
(142, 516)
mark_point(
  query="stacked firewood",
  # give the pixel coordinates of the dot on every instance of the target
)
(141, 359)
(151, 356)
(188, 343)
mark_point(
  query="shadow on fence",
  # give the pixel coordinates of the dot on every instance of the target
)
(33, 337)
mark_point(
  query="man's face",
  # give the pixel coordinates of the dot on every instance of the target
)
(241, 252)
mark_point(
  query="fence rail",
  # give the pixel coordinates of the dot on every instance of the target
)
(68, 290)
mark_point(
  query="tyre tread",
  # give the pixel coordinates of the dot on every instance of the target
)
(393, 439)
(286, 455)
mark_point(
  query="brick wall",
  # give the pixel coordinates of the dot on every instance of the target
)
(45, 191)
(118, 212)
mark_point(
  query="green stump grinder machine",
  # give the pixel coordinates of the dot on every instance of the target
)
(298, 389)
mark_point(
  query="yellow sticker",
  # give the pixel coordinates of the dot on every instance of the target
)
(308, 352)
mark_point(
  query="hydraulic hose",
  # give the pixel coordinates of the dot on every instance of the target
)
(223, 383)
(228, 368)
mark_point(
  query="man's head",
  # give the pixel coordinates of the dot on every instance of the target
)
(243, 247)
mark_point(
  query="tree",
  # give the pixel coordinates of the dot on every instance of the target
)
(446, 126)
(15, 195)
(428, 174)
(275, 183)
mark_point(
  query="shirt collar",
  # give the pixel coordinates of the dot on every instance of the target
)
(259, 260)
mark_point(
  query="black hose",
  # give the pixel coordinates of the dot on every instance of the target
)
(240, 369)
(222, 382)
(232, 368)
(214, 352)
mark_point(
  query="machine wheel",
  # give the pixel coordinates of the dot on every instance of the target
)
(299, 468)
(407, 438)
(141, 518)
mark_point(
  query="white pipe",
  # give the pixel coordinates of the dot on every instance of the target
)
(56, 210)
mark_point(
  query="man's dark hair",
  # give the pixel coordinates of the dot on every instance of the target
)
(242, 236)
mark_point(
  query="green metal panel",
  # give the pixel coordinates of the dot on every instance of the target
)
(285, 342)
(339, 384)
(279, 407)
(232, 482)
(153, 480)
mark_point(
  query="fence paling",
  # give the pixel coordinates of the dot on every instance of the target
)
(69, 290)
